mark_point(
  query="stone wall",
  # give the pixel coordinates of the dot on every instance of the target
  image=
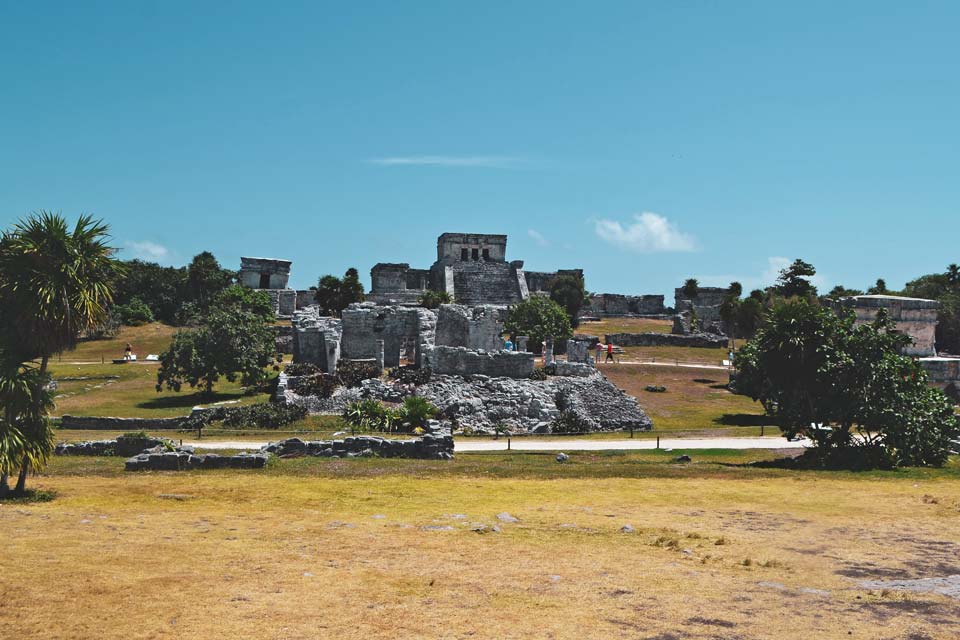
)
(702, 340)
(471, 246)
(186, 461)
(466, 362)
(943, 373)
(481, 282)
(306, 298)
(705, 305)
(579, 350)
(316, 339)
(914, 317)
(400, 329)
(121, 446)
(613, 304)
(478, 327)
(254, 272)
(432, 446)
(539, 281)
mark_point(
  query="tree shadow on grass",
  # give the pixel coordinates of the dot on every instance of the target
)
(190, 400)
(744, 420)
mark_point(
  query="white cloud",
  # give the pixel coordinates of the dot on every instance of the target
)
(489, 162)
(767, 277)
(648, 233)
(537, 237)
(147, 250)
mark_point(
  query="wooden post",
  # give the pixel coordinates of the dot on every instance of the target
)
(508, 444)
(658, 442)
(631, 432)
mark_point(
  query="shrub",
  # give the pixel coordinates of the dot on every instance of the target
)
(135, 313)
(539, 318)
(301, 369)
(432, 299)
(538, 374)
(368, 415)
(410, 375)
(569, 422)
(263, 415)
(318, 384)
(352, 372)
(416, 410)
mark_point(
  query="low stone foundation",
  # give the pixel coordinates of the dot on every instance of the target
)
(701, 340)
(122, 446)
(186, 461)
(433, 446)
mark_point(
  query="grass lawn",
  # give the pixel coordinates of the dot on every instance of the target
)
(696, 399)
(149, 338)
(625, 325)
(313, 548)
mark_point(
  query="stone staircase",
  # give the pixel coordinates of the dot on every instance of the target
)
(485, 283)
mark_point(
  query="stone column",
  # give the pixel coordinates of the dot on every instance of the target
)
(548, 352)
(522, 343)
(379, 355)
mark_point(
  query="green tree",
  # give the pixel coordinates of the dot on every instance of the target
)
(230, 343)
(55, 282)
(163, 289)
(794, 281)
(735, 290)
(841, 291)
(336, 294)
(432, 299)
(690, 288)
(539, 318)
(846, 387)
(567, 291)
(255, 301)
(206, 278)
(880, 288)
(351, 289)
(134, 314)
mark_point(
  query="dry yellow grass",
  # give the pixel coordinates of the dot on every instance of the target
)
(315, 555)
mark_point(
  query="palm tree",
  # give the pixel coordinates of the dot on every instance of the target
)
(25, 433)
(55, 282)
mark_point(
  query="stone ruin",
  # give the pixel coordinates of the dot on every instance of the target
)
(472, 268)
(271, 275)
(699, 313)
(914, 317)
(475, 382)
(604, 305)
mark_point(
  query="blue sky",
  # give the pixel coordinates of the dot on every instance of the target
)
(645, 142)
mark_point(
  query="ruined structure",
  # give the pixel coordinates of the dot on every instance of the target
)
(700, 312)
(471, 268)
(614, 304)
(271, 275)
(915, 317)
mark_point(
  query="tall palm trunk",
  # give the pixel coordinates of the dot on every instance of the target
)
(4, 485)
(25, 465)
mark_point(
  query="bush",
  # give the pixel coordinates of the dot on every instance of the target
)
(416, 410)
(539, 318)
(432, 299)
(263, 415)
(301, 369)
(318, 384)
(370, 415)
(410, 375)
(352, 372)
(538, 374)
(569, 422)
(135, 313)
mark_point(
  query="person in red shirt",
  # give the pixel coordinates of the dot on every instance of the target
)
(609, 353)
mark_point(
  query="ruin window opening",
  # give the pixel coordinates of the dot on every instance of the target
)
(264, 280)
(486, 254)
(475, 253)
(463, 254)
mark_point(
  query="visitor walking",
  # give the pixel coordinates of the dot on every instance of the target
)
(599, 350)
(128, 352)
(508, 345)
(609, 353)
